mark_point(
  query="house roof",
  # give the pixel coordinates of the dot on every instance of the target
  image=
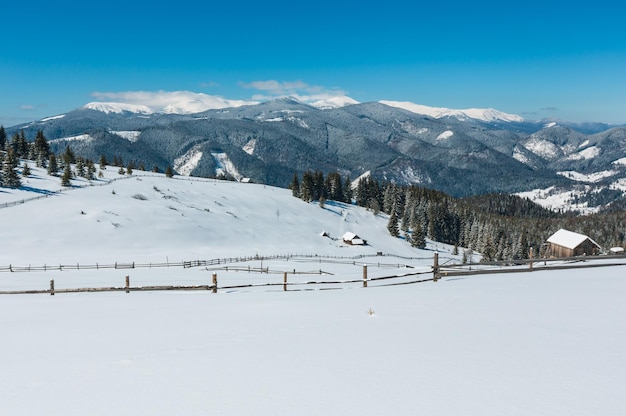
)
(349, 236)
(569, 239)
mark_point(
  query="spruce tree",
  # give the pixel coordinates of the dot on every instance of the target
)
(361, 196)
(306, 187)
(488, 248)
(169, 172)
(295, 185)
(19, 144)
(10, 177)
(3, 138)
(318, 186)
(392, 225)
(389, 198)
(67, 175)
(69, 156)
(347, 190)
(80, 168)
(26, 170)
(334, 187)
(53, 167)
(103, 162)
(417, 237)
(41, 149)
(522, 246)
(91, 170)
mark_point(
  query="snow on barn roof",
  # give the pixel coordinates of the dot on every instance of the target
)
(569, 239)
(354, 239)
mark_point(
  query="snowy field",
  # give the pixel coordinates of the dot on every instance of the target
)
(542, 343)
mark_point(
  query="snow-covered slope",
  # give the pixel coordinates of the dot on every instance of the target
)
(169, 102)
(482, 114)
(118, 108)
(147, 217)
(334, 102)
(519, 344)
(524, 344)
(185, 102)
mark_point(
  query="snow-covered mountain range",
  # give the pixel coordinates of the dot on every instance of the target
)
(461, 152)
(178, 102)
(482, 114)
(190, 103)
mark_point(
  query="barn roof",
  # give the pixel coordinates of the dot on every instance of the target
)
(354, 239)
(569, 239)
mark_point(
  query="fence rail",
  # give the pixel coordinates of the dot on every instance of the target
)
(287, 286)
(214, 262)
(448, 270)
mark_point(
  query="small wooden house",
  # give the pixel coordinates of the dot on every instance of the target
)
(566, 243)
(353, 239)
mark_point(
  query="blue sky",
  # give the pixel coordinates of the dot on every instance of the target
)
(534, 59)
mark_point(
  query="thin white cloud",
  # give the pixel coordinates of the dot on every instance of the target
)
(27, 107)
(170, 101)
(187, 102)
(300, 90)
(283, 88)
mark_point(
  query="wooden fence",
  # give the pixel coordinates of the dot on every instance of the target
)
(529, 265)
(311, 258)
(213, 287)
(436, 271)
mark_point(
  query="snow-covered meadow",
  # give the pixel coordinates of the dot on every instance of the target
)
(542, 343)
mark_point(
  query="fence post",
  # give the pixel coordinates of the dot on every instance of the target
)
(365, 275)
(436, 266)
(127, 284)
(214, 282)
(530, 256)
(52, 287)
(285, 282)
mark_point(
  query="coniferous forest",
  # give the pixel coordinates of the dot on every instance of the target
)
(499, 226)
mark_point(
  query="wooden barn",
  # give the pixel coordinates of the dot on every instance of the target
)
(353, 239)
(566, 243)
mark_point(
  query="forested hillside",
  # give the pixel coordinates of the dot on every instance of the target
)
(499, 226)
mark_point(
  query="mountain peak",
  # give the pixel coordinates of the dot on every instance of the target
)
(481, 114)
(168, 102)
(334, 102)
(118, 108)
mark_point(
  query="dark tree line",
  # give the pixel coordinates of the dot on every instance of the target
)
(315, 187)
(499, 226)
(38, 150)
